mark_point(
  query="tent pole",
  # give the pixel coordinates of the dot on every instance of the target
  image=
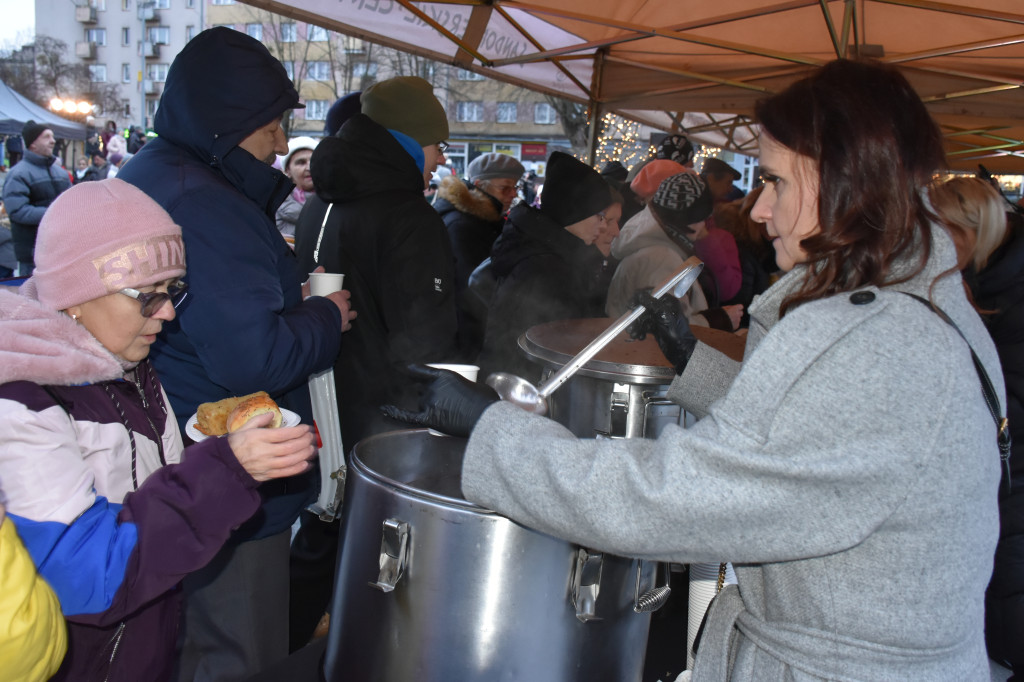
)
(594, 134)
(596, 107)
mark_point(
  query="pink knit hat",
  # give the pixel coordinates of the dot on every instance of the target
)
(650, 177)
(100, 237)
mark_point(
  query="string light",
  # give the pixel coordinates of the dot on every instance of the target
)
(620, 140)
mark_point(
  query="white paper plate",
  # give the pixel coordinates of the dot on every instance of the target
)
(289, 419)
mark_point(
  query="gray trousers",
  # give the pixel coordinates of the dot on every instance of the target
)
(236, 613)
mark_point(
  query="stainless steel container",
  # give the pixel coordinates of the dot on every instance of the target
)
(431, 587)
(620, 393)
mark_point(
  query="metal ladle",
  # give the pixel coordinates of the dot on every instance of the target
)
(519, 391)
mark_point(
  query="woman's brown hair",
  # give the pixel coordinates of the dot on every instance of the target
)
(875, 147)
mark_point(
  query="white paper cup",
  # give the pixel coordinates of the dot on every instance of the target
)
(467, 371)
(323, 283)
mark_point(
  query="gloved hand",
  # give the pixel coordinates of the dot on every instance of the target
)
(665, 319)
(451, 404)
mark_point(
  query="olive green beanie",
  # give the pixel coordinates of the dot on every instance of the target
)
(407, 104)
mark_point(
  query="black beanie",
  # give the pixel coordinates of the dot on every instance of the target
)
(573, 191)
(682, 200)
(614, 170)
(31, 131)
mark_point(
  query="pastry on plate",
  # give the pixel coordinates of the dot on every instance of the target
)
(212, 418)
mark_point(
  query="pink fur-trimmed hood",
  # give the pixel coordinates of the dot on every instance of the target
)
(48, 347)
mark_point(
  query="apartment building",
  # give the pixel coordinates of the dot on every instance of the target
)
(130, 43)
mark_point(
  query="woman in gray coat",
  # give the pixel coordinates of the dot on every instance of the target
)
(849, 468)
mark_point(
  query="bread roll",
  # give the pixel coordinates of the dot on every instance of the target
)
(212, 418)
(251, 408)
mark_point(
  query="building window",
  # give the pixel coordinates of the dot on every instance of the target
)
(151, 105)
(96, 35)
(427, 70)
(190, 4)
(190, 33)
(469, 112)
(364, 70)
(289, 68)
(544, 113)
(315, 33)
(316, 109)
(507, 112)
(254, 31)
(223, 2)
(162, 4)
(466, 75)
(159, 35)
(98, 73)
(288, 33)
(318, 71)
(126, 73)
(354, 46)
(126, 36)
(156, 72)
(126, 5)
(126, 108)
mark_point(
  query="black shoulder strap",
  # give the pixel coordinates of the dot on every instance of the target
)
(991, 400)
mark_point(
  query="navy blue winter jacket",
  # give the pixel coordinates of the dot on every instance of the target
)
(244, 326)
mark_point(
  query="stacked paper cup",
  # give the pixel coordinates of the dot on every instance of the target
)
(325, 413)
(703, 588)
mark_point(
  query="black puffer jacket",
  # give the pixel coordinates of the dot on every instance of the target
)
(1000, 287)
(544, 273)
(394, 252)
(474, 222)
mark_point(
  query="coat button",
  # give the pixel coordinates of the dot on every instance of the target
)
(861, 297)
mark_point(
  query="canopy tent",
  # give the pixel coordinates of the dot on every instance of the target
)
(15, 110)
(699, 66)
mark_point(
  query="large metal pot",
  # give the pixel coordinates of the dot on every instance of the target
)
(431, 587)
(620, 393)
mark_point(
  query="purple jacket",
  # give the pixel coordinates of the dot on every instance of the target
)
(112, 510)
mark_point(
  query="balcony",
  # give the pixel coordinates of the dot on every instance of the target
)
(85, 49)
(85, 14)
(151, 87)
(152, 50)
(148, 13)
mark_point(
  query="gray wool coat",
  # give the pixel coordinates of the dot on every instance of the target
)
(848, 469)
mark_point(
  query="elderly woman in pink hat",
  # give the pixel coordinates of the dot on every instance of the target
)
(111, 507)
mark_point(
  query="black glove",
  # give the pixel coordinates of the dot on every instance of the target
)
(450, 404)
(665, 319)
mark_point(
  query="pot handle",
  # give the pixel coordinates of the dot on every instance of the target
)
(653, 599)
(586, 584)
(394, 550)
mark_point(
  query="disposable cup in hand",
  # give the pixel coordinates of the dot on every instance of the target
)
(323, 283)
(467, 371)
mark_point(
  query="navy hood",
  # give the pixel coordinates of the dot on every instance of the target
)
(220, 88)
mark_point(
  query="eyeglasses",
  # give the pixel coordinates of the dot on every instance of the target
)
(442, 146)
(152, 302)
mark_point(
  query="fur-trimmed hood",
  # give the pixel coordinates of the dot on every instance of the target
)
(48, 347)
(465, 198)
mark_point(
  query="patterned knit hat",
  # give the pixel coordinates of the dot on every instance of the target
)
(682, 200)
(675, 148)
(100, 237)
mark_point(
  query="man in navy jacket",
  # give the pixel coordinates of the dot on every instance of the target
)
(246, 326)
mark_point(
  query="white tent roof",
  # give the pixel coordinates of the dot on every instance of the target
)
(700, 65)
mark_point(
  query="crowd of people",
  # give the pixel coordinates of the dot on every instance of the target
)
(857, 439)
